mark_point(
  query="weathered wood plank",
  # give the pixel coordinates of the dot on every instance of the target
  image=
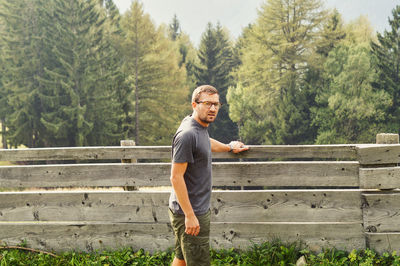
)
(238, 206)
(382, 212)
(290, 174)
(380, 178)
(122, 206)
(86, 153)
(287, 205)
(164, 152)
(87, 237)
(383, 242)
(84, 175)
(378, 154)
(316, 236)
(158, 236)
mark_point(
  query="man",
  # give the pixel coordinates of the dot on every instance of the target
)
(189, 202)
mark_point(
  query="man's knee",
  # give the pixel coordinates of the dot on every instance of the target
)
(178, 262)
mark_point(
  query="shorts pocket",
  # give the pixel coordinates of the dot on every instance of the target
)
(196, 250)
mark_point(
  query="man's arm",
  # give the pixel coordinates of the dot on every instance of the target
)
(234, 146)
(192, 226)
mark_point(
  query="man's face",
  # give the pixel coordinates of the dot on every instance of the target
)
(205, 112)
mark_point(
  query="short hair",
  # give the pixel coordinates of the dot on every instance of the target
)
(203, 88)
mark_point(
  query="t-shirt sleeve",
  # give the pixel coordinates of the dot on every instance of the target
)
(184, 143)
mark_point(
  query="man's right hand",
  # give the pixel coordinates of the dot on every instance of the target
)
(192, 226)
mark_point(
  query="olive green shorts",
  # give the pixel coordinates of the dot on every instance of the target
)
(195, 250)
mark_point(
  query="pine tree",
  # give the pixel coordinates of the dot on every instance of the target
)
(4, 107)
(60, 73)
(158, 91)
(115, 36)
(111, 131)
(215, 64)
(188, 54)
(349, 109)
(387, 53)
(275, 58)
(174, 29)
(25, 54)
(315, 81)
(246, 107)
(81, 103)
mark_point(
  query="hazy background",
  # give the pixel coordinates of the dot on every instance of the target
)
(194, 15)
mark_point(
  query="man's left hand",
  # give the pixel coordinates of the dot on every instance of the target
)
(237, 146)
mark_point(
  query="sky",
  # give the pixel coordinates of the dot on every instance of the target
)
(194, 15)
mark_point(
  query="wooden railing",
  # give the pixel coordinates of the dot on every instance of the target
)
(342, 196)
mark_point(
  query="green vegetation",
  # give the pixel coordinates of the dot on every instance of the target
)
(1, 139)
(79, 73)
(275, 57)
(156, 82)
(214, 67)
(350, 109)
(268, 253)
(387, 65)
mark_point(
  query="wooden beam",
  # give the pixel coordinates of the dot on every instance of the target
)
(378, 154)
(86, 153)
(380, 178)
(93, 236)
(381, 211)
(87, 236)
(316, 236)
(384, 242)
(290, 174)
(287, 206)
(287, 174)
(140, 207)
(341, 152)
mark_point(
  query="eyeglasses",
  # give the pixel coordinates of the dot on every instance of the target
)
(217, 105)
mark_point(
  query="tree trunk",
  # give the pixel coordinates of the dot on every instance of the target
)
(136, 105)
(3, 134)
(137, 89)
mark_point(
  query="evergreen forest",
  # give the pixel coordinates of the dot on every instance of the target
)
(80, 73)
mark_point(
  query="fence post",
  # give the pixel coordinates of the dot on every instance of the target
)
(387, 138)
(129, 143)
(3, 134)
(376, 239)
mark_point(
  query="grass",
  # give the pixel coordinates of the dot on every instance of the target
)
(268, 253)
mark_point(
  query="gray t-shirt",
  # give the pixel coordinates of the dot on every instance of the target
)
(191, 144)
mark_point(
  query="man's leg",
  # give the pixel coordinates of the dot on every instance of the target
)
(196, 249)
(178, 225)
(178, 262)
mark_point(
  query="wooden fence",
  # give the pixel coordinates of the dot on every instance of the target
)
(342, 196)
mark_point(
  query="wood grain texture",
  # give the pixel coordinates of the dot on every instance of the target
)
(291, 174)
(383, 242)
(346, 236)
(288, 174)
(287, 206)
(380, 178)
(238, 206)
(164, 152)
(86, 153)
(387, 138)
(382, 212)
(89, 237)
(375, 154)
